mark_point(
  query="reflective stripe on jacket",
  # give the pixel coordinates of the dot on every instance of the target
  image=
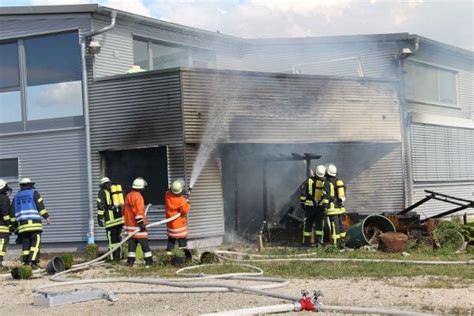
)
(134, 213)
(111, 215)
(29, 210)
(333, 196)
(5, 214)
(176, 204)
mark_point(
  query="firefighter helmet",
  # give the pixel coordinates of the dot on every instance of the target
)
(332, 170)
(139, 183)
(320, 171)
(177, 187)
(2, 184)
(25, 181)
(104, 180)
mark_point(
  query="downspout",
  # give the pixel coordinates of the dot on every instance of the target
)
(85, 98)
(406, 127)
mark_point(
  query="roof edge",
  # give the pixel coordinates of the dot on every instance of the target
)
(49, 9)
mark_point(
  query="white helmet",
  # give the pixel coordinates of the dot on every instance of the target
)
(320, 171)
(26, 181)
(332, 170)
(104, 180)
(177, 187)
(139, 183)
(3, 184)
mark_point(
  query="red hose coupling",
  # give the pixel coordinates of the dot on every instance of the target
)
(307, 304)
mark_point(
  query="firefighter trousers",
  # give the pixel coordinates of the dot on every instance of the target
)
(4, 240)
(335, 228)
(182, 244)
(31, 246)
(132, 248)
(114, 238)
(314, 219)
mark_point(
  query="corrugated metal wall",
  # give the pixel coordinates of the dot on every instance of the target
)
(206, 218)
(364, 116)
(54, 159)
(441, 153)
(376, 59)
(138, 111)
(116, 56)
(19, 26)
(56, 162)
(290, 108)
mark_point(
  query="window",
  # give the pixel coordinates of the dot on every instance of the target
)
(53, 72)
(140, 54)
(123, 166)
(10, 97)
(9, 168)
(153, 55)
(49, 76)
(431, 84)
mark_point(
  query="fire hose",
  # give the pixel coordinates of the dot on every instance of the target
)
(192, 282)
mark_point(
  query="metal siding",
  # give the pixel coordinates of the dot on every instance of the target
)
(138, 111)
(116, 55)
(465, 68)
(442, 153)
(377, 59)
(206, 218)
(19, 26)
(269, 108)
(56, 162)
(462, 190)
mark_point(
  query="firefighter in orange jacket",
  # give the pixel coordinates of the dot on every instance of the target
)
(177, 202)
(135, 218)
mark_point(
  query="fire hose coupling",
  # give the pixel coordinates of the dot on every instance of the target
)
(308, 303)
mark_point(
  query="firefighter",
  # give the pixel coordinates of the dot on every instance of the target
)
(310, 196)
(135, 219)
(6, 226)
(320, 172)
(109, 214)
(176, 201)
(29, 210)
(333, 197)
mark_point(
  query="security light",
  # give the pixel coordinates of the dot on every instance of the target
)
(405, 52)
(94, 48)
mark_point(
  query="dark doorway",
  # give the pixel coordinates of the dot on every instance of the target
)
(123, 166)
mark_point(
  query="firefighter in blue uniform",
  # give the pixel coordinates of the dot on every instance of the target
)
(29, 211)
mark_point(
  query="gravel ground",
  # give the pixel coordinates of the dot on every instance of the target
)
(403, 293)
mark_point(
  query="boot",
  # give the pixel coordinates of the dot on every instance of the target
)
(149, 261)
(130, 261)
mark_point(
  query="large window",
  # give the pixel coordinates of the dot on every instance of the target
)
(151, 55)
(123, 166)
(49, 77)
(430, 84)
(10, 97)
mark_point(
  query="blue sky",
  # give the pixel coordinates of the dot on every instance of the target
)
(449, 21)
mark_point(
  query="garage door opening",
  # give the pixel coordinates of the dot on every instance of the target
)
(123, 166)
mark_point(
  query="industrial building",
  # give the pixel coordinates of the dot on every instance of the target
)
(393, 111)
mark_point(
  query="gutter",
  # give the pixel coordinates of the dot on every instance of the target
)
(406, 126)
(85, 98)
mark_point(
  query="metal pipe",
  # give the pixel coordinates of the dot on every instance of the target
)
(85, 100)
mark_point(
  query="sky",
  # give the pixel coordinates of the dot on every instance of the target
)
(448, 21)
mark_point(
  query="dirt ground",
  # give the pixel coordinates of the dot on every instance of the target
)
(426, 294)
